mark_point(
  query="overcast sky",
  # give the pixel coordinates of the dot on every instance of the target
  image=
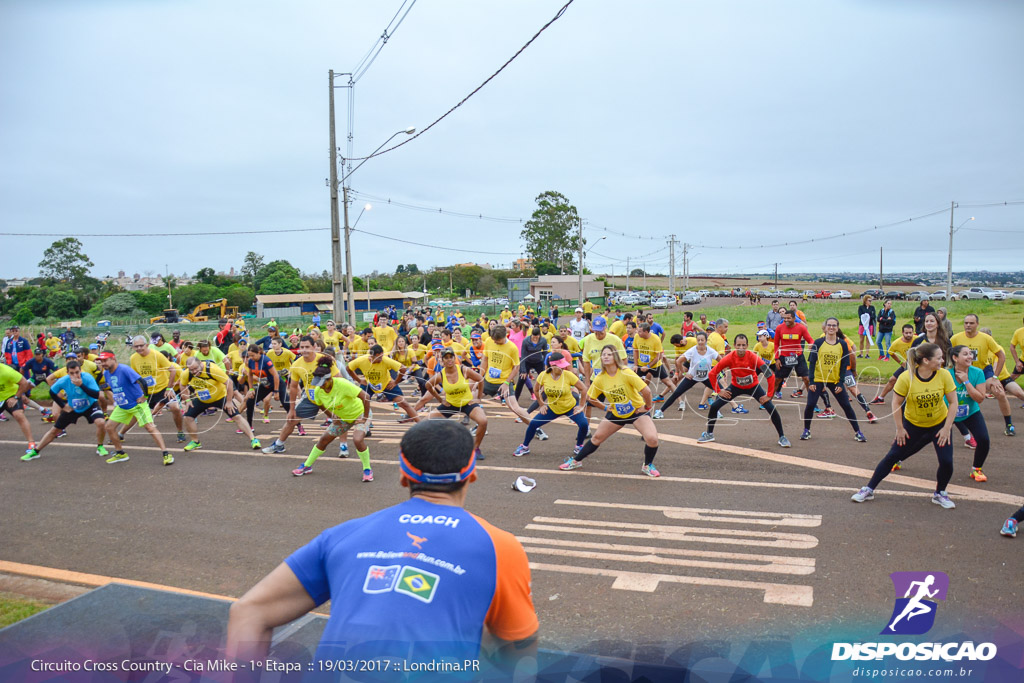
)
(725, 122)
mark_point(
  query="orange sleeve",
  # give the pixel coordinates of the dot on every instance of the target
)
(511, 615)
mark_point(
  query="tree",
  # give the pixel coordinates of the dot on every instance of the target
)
(23, 316)
(318, 283)
(547, 268)
(64, 261)
(239, 295)
(279, 277)
(551, 234)
(119, 305)
(411, 269)
(250, 267)
(486, 284)
(636, 272)
(400, 270)
(206, 275)
(62, 305)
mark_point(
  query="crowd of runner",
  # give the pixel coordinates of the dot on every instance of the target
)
(435, 365)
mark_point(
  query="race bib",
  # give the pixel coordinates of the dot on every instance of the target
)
(645, 358)
(790, 361)
(494, 373)
(149, 380)
(376, 387)
(121, 400)
(309, 393)
(623, 409)
(743, 381)
(203, 395)
(78, 404)
(961, 411)
(850, 381)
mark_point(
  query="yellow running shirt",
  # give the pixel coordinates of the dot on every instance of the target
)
(501, 360)
(457, 393)
(386, 337)
(621, 391)
(281, 361)
(717, 342)
(558, 392)
(767, 353)
(154, 369)
(898, 349)
(618, 328)
(377, 375)
(981, 345)
(302, 372)
(830, 357)
(592, 349)
(646, 350)
(925, 406)
(333, 339)
(210, 385)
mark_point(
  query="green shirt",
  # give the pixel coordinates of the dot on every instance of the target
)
(10, 380)
(343, 399)
(216, 355)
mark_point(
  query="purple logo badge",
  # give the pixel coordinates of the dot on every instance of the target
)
(916, 593)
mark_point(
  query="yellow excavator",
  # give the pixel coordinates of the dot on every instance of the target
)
(198, 314)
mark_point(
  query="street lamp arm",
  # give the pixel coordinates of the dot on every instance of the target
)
(408, 131)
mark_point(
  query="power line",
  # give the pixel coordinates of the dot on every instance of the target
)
(150, 234)
(428, 209)
(365, 65)
(1009, 232)
(435, 246)
(543, 28)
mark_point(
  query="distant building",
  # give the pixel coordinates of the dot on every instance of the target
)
(549, 287)
(283, 305)
(485, 266)
(522, 264)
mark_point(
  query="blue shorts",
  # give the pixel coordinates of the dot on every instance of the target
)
(989, 372)
(393, 393)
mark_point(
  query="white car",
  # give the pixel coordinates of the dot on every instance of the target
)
(841, 294)
(663, 302)
(703, 293)
(1017, 295)
(982, 293)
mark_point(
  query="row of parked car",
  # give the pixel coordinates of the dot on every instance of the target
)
(986, 293)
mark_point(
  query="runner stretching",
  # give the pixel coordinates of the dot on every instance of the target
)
(457, 399)
(80, 393)
(555, 398)
(829, 361)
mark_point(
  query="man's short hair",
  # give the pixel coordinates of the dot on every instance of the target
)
(437, 447)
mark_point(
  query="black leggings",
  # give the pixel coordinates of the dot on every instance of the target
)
(827, 388)
(262, 391)
(917, 438)
(524, 377)
(975, 425)
(685, 385)
(757, 392)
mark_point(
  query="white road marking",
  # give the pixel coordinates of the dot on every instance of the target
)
(710, 515)
(686, 534)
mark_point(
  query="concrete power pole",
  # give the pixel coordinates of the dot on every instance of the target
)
(776, 276)
(949, 263)
(686, 267)
(672, 264)
(627, 275)
(881, 283)
(336, 277)
(579, 238)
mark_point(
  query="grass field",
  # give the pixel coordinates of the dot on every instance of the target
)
(14, 609)
(1002, 316)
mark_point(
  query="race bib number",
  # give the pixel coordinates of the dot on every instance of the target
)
(494, 373)
(376, 387)
(850, 381)
(309, 393)
(149, 380)
(789, 361)
(264, 381)
(121, 400)
(78, 404)
(623, 409)
(700, 373)
(578, 334)
(743, 381)
(645, 358)
(203, 395)
(961, 411)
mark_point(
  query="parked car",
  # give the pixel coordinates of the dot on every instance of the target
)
(895, 296)
(1017, 295)
(823, 294)
(841, 294)
(982, 293)
(703, 293)
(689, 299)
(939, 295)
(663, 302)
(809, 293)
(874, 293)
(919, 295)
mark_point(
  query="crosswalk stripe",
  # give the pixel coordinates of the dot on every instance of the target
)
(772, 539)
(708, 515)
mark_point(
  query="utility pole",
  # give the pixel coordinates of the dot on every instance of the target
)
(579, 238)
(627, 275)
(672, 265)
(336, 282)
(949, 262)
(686, 267)
(881, 284)
(776, 276)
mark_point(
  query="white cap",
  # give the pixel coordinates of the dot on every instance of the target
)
(578, 310)
(762, 333)
(524, 484)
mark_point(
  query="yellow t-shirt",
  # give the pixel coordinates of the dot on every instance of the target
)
(281, 361)
(386, 337)
(210, 385)
(501, 360)
(1018, 340)
(53, 344)
(419, 352)
(826, 369)
(588, 307)
(459, 349)
(406, 358)
(925, 406)
(457, 393)
(571, 344)
(505, 316)
(621, 392)
(154, 369)
(377, 375)
(646, 350)
(359, 347)
(717, 342)
(592, 349)
(981, 346)
(1005, 372)
(333, 339)
(302, 371)
(235, 358)
(898, 349)
(767, 353)
(618, 328)
(558, 392)
(677, 350)
(90, 368)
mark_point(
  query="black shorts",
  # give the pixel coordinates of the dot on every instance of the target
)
(199, 407)
(1008, 380)
(755, 390)
(156, 398)
(12, 404)
(492, 389)
(782, 371)
(657, 373)
(65, 419)
(448, 411)
(588, 316)
(394, 393)
(623, 421)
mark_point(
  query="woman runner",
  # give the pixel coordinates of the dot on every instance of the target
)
(458, 396)
(694, 365)
(557, 383)
(922, 418)
(629, 402)
(828, 362)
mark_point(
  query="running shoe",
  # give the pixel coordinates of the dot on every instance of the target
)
(342, 450)
(970, 442)
(1009, 528)
(274, 448)
(181, 437)
(941, 498)
(327, 423)
(778, 394)
(881, 357)
(117, 457)
(702, 406)
(239, 431)
(3, 418)
(479, 454)
(784, 442)
(817, 409)
(465, 420)
(302, 430)
(30, 454)
(740, 410)
(705, 437)
(48, 415)
(682, 406)
(541, 435)
(62, 434)
(571, 464)
(876, 401)
(657, 415)
(519, 420)
(977, 475)
(301, 470)
(1010, 431)
(367, 475)
(102, 450)
(799, 393)
(659, 398)
(168, 459)
(872, 419)
(806, 435)
(650, 470)
(888, 357)
(266, 420)
(210, 411)
(521, 450)
(864, 494)
(897, 467)
(859, 436)
(256, 445)
(576, 449)
(192, 445)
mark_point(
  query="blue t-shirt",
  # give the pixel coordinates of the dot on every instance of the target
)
(417, 581)
(123, 382)
(967, 406)
(657, 329)
(79, 401)
(38, 370)
(627, 343)
(260, 369)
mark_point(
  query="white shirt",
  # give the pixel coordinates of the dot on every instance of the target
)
(579, 328)
(700, 365)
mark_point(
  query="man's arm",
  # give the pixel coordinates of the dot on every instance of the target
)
(276, 600)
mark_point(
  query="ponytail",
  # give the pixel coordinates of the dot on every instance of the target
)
(918, 353)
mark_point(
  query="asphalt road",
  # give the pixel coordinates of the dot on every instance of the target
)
(739, 539)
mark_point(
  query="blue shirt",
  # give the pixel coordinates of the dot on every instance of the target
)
(38, 370)
(79, 401)
(657, 329)
(967, 406)
(123, 382)
(418, 581)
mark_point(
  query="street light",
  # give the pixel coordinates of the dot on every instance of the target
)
(949, 262)
(364, 210)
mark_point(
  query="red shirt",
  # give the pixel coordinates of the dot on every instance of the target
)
(788, 339)
(744, 369)
(689, 327)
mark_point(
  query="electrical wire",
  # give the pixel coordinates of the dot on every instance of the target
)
(441, 118)
(436, 246)
(1008, 232)
(427, 209)
(150, 234)
(363, 65)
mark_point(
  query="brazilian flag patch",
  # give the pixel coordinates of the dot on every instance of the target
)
(417, 583)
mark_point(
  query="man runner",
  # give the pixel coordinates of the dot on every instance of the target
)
(130, 393)
(213, 390)
(80, 392)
